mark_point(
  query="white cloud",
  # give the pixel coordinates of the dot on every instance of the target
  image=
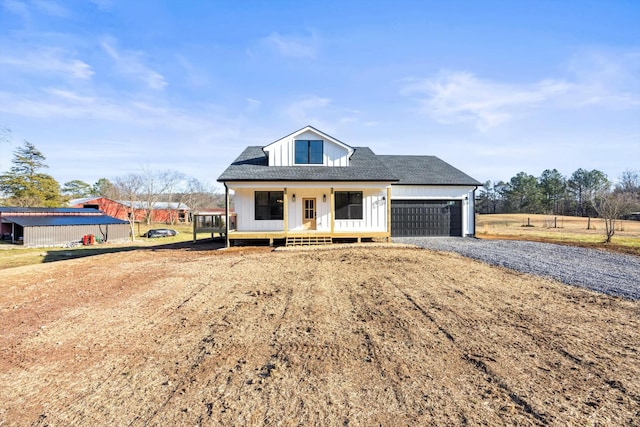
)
(308, 111)
(102, 4)
(593, 79)
(18, 8)
(194, 76)
(51, 8)
(458, 96)
(302, 47)
(49, 61)
(253, 104)
(131, 64)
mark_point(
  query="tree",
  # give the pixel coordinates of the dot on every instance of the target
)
(76, 189)
(584, 185)
(611, 206)
(523, 193)
(200, 196)
(490, 197)
(629, 182)
(24, 185)
(104, 188)
(170, 180)
(552, 187)
(128, 188)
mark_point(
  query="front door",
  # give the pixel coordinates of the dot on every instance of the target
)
(309, 214)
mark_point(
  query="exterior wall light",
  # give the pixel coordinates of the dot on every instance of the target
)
(324, 197)
(293, 197)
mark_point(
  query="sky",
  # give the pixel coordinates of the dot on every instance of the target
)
(104, 88)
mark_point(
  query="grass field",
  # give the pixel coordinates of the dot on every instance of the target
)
(559, 229)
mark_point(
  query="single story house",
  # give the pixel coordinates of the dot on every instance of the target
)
(161, 212)
(58, 226)
(308, 185)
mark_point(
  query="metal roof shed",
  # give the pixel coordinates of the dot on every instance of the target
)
(52, 230)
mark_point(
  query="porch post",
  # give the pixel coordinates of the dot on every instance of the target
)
(285, 207)
(388, 213)
(332, 210)
(226, 215)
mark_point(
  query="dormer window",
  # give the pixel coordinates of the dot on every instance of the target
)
(309, 152)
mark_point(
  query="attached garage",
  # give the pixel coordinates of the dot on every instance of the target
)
(426, 218)
(431, 198)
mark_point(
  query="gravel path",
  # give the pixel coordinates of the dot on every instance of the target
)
(606, 272)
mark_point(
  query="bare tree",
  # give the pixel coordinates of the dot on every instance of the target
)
(200, 196)
(128, 188)
(170, 181)
(611, 207)
(629, 182)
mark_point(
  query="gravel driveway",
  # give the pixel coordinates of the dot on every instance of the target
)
(606, 272)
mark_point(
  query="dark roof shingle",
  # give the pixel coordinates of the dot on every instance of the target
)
(252, 165)
(426, 170)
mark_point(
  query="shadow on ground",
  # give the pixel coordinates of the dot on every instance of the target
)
(54, 255)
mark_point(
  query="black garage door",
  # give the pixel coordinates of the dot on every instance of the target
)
(411, 218)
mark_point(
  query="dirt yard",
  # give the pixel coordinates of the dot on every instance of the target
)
(356, 336)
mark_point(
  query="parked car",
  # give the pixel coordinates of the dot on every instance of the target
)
(160, 232)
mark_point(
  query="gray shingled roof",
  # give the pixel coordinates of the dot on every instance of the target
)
(426, 170)
(252, 165)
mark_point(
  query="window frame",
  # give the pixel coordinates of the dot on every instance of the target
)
(339, 211)
(273, 210)
(300, 150)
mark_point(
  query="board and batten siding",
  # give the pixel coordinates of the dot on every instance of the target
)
(374, 213)
(374, 207)
(59, 235)
(464, 193)
(282, 153)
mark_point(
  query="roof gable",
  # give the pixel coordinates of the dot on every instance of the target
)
(285, 151)
(321, 134)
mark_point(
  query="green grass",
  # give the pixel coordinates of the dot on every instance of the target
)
(16, 256)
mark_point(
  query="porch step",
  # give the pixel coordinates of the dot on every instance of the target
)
(311, 240)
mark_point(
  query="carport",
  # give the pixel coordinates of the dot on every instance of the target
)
(57, 226)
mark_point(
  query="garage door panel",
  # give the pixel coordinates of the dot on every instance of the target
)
(417, 218)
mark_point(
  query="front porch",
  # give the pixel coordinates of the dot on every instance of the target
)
(305, 238)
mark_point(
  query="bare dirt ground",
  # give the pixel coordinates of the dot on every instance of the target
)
(354, 336)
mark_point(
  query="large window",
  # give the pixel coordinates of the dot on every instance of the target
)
(308, 152)
(269, 205)
(348, 204)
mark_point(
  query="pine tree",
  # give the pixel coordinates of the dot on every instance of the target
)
(25, 185)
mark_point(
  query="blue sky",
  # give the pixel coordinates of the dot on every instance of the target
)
(108, 87)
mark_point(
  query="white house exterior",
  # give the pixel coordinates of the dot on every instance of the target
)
(309, 183)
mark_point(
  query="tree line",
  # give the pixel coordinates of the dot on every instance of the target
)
(586, 193)
(553, 193)
(25, 184)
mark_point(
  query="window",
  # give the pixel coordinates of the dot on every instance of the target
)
(348, 204)
(269, 205)
(308, 152)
